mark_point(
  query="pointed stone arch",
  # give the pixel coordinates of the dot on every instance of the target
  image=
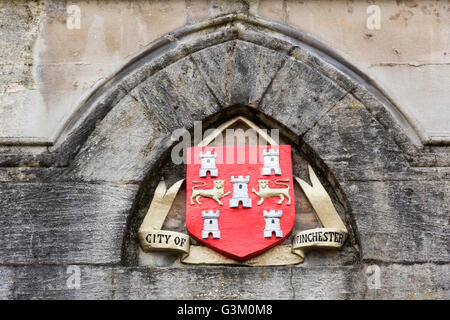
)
(237, 65)
(361, 147)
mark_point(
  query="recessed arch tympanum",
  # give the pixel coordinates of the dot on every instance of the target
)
(171, 213)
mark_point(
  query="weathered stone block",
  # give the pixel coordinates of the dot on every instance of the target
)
(314, 283)
(196, 10)
(407, 282)
(63, 282)
(336, 73)
(18, 32)
(119, 148)
(299, 96)
(401, 221)
(176, 96)
(202, 283)
(354, 144)
(394, 281)
(6, 283)
(238, 72)
(62, 222)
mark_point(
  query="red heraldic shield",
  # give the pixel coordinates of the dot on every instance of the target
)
(240, 200)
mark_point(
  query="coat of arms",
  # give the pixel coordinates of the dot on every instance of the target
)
(240, 207)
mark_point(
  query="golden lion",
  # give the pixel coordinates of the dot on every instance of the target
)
(266, 192)
(216, 193)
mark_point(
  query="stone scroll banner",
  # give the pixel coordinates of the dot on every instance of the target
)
(332, 235)
(151, 237)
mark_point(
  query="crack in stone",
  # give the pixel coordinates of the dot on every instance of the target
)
(205, 82)
(408, 64)
(291, 282)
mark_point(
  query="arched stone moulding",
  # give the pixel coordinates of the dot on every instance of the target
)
(240, 68)
(191, 39)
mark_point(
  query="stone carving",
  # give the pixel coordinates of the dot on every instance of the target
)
(216, 193)
(272, 218)
(266, 192)
(210, 224)
(271, 162)
(240, 192)
(208, 163)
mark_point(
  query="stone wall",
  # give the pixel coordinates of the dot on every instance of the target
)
(77, 201)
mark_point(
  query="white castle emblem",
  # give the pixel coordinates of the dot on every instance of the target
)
(272, 218)
(240, 192)
(208, 162)
(210, 224)
(271, 162)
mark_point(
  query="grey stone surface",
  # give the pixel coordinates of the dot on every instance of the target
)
(327, 69)
(119, 147)
(63, 223)
(27, 174)
(6, 283)
(202, 283)
(61, 282)
(222, 7)
(394, 122)
(418, 281)
(176, 96)
(401, 221)
(71, 140)
(238, 72)
(353, 144)
(18, 32)
(396, 281)
(256, 35)
(168, 50)
(299, 96)
(315, 283)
